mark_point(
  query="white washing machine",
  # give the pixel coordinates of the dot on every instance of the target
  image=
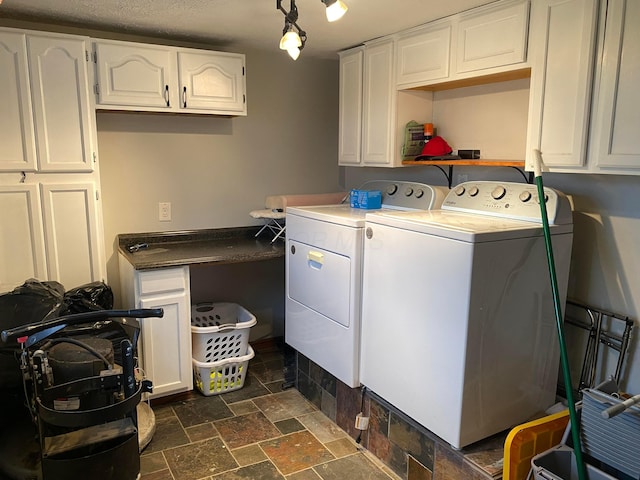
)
(324, 274)
(458, 323)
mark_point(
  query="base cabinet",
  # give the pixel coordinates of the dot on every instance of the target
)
(22, 251)
(52, 232)
(164, 349)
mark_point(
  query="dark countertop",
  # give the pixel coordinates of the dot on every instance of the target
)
(220, 245)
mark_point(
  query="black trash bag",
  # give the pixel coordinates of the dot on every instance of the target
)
(31, 302)
(88, 298)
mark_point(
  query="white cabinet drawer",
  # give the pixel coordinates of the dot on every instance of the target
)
(163, 280)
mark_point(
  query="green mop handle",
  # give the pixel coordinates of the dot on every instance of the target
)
(564, 359)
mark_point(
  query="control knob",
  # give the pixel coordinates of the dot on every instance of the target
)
(419, 193)
(546, 198)
(473, 191)
(459, 191)
(525, 196)
(498, 192)
(408, 192)
(391, 189)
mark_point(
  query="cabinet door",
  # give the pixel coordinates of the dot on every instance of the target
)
(21, 243)
(492, 38)
(135, 75)
(74, 256)
(617, 117)
(60, 93)
(350, 109)
(166, 342)
(378, 110)
(424, 56)
(212, 81)
(17, 139)
(562, 55)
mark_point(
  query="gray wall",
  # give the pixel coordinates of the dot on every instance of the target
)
(214, 171)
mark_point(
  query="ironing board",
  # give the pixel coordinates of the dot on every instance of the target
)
(274, 213)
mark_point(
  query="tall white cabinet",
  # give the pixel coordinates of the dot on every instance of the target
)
(373, 111)
(616, 119)
(562, 53)
(49, 183)
(584, 113)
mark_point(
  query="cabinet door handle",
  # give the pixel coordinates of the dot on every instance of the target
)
(166, 95)
(184, 97)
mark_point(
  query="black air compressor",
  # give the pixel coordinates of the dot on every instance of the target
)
(81, 389)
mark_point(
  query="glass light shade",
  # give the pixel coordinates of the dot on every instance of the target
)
(336, 10)
(294, 52)
(290, 40)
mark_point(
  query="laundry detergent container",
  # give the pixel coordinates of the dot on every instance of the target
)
(220, 346)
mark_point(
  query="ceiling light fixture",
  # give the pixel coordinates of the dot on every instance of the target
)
(335, 9)
(293, 37)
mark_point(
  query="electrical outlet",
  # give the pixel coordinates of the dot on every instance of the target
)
(164, 211)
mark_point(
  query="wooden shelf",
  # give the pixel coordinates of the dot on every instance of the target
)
(475, 81)
(440, 164)
(476, 163)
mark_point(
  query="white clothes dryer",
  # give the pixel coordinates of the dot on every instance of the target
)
(324, 274)
(458, 323)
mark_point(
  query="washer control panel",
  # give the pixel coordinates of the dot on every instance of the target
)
(407, 195)
(517, 201)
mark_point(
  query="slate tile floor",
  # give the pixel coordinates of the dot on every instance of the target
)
(259, 432)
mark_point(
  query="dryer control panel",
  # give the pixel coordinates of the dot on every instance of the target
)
(517, 201)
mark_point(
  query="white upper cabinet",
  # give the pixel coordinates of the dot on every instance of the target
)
(212, 81)
(372, 112)
(562, 51)
(616, 123)
(17, 136)
(142, 77)
(378, 104)
(484, 41)
(490, 37)
(423, 55)
(47, 119)
(350, 108)
(61, 103)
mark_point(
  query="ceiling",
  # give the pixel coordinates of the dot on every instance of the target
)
(228, 24)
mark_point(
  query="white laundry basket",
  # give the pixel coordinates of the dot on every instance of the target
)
(219, 331)
(222, 376)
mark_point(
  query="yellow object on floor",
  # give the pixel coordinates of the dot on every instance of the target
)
(529, 439)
